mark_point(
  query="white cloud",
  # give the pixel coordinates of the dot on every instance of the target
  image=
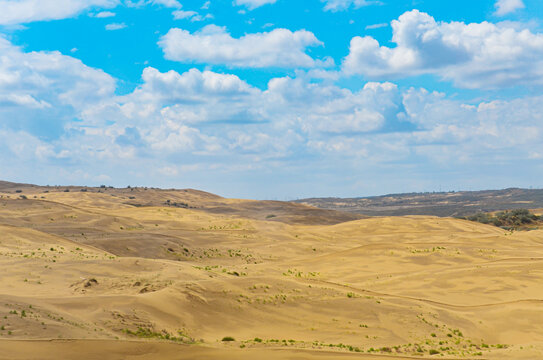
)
(253, 4)
(181, 14)
(219, 126)
(115, 26)
(330, 109)
(14, 12)
(181, 88)
(167, 114)
(41, 92)
(376, 26)
(190, 15)
(166, 3)
(24, 100)
(51, 77)
(504, 7)
(104, 14)
(339, 5)
(475, 55)
(170, 111)
(214, 45)
(498, 131)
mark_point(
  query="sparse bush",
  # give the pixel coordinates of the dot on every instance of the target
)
(483, 218)
(434, 352)
(228, 338)
(509, 219)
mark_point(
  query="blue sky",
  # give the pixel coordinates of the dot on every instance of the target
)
(273, 98)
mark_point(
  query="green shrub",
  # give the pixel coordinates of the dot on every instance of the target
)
(510, 219)
(228, 338)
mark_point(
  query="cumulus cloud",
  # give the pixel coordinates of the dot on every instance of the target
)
(339, 5)
(504, 7)
(215, 124)
(498, 130)
(214, 45)
(173, 87)
(474, 55)
(167, 116)
(49, 87)
(43, 73)
(319, 108)
(253, 4)
(14, 12)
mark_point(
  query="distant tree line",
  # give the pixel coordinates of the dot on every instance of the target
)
(510, 219)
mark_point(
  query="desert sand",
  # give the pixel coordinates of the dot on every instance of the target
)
(155, 274)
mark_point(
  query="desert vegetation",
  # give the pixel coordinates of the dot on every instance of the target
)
(518, 219)
(109, 273)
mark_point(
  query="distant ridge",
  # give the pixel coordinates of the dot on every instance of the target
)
(336, 210)
(442, 204)
(280, 211)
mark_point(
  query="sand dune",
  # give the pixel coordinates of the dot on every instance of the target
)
(100, 275)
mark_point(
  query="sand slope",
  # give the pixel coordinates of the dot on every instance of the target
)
(90, 276)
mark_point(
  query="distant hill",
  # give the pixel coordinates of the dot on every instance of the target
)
(309, 211)
(439, 204)
(279, 211)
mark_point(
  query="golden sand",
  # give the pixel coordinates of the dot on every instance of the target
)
(91, 276)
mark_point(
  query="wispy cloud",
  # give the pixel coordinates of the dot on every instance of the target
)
(341, 5)
(104, 14)
(253, 4)
(376, 26)
(504, 7)
(115, 26)
(26, 11)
